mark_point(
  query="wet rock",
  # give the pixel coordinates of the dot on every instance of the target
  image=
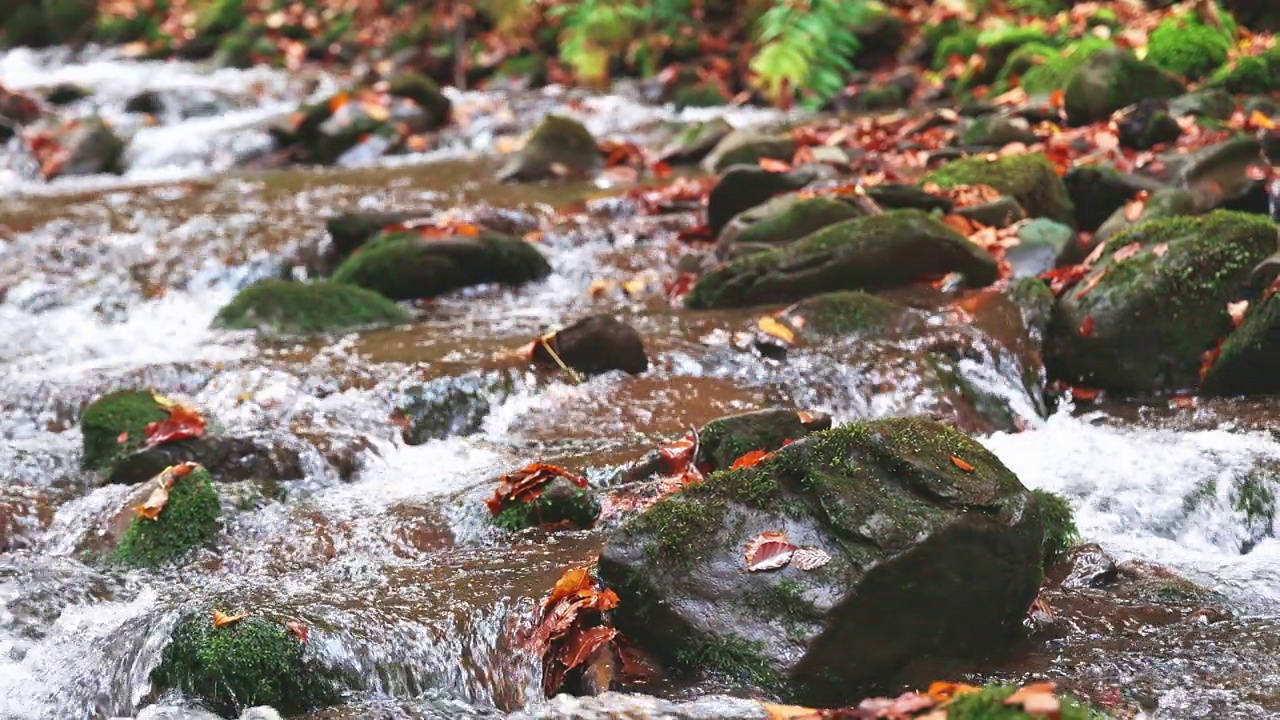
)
(16, 110)
(24, 513)
(1089, 566)
(351, 230)
(1111, 79)
(90, 147)
(998, 131)
(1042, 245)
(559, 147)
(1035, 302)
(1030, 179)
(748, 147)
(694, 142)
(114, 425)
(745, 186)
(1219, 176)
(1262, 104)
(256, 661)
(842, 314)
(295, 308)
(595, 344)
(228, 459)
(999, 213)
(1166, 203)
(188, 520)
(873, 97)
(343, 131)
(1147, 124)
(917, 544)
(1249, 360)
(66, 93)
(407, 266)
(722, 441)
(457, 405)
(697, 94)
(897, 196)
(423, 91)
(1210, 103)
(880, 251)
(147, 102)
(1145, 321)
(784, 219)
(1098, 192)
(561, 501)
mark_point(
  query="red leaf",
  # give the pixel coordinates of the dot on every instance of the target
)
(122, 438)
(183, 422)
(1085, 394)
(1063, 277)
(768, 551)
(526, 484)
(749, 459)
(579, 646)
(961, 464)
(302, 631)
(1086, 327)
(1208, 358)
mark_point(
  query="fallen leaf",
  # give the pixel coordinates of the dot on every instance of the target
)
(787, 712)
(1090, 284)
(1160, 250)
(1086, 327)
(778, 166)
(810, 558)
(122, 438)
(183, 422)
(749, 459)
(1237, 310)
(302, 631)
(768, 551)
(1127, 252)
(572, 582)
(770, 326)
(1036, 699)
(526, 484)
(1085, 394)
(1057, 99)
(941, 692)
(581, 645)
(805, 417)
(221, 619)
(1133, 209)
(1259, 119)
(1185, 402)
(155, 503)
(961, 464)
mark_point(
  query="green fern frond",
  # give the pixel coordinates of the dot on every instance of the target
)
(806, 48)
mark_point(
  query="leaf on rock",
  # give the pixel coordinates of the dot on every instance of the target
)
(961, 464)
(1036, 699)
(183, 422)
(526, 484)
(777, 166)
(302, 631)
(122, 438)
(1127, 252)
(770, 326)
(1086, 327)
(810, 558)
(768, 551)
(1237, 310)
(944, 691)
(750, 459)
(221, 619)
(1160, 250)
(581, 645)
(1063, 277)
(155, 503)
(1133, 209)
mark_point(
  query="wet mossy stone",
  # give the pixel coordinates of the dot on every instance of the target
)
(899, 196)
(1187, 47)
(1166, 203)
(962, 43)
(698, 95)
(996, 47)
(1060, 533)
(692, 143)
(40, 23)
(407, 266)
(1023, 60)
(999, 213)
(1042, 245)
(230, 459)
(1030, 179)
(92, 147)
(852, 312)
(189, 520)
(1097, 192)
(783, 220)
(596, 344)
(743, 187)
(1249, 361)
(989, 704)
(560, 502)
(1247, 75)
(1219, 176)
(294, 308)
(881, 251)
(456, 405)
(1044, 77)
(351, 230)
(1151, 316)
(122, 415)
(927, 559)
(1113, 78)
(1207, 103)
(998, 131)
(559, 146)
(256, 661)
(724, 440)
(1035, 302)
(66, 93)
(1147, 123)
(426, 93)
(748, 147)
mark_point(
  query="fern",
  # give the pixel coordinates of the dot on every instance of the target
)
(595, 32)
(806, 49)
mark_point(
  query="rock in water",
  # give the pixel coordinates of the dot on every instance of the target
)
(114, 425)
(1111, 79)
(724, 440)
(294, 308)
(881, 251)
(785, 219)
(927, 558)
(596, 344)
(229, 458)
(188, 520)
(743, 187)
(559, 147)
(91, 147)
(407, 266)
(1032, 180)
(1141, 323)
(748, 147)
(423, 91)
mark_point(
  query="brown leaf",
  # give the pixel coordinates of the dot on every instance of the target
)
(572, 582)
(788, 712)
(1133, 209)
(768, 551)
(579, 646)
(1036, 699)
(122, 438)
(1127, 252)
(961, 464)
(944, 691)
(1160, 250)
(155, 503)
(1237, 310)
(809, 558)
(526, 484)
(221, 619)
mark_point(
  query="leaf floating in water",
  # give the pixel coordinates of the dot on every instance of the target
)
(221, 619)
(810, 558)
(768, 551)
(961, 464)
(302, 631)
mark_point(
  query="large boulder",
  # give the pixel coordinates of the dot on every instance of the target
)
(295, 308)
(1032, 180)
(559, 147)
(187, 520)
(783, 220)
(1222, 176)
(724, 440)
(935, 549)
(408, 266)
(114, 425)
(594, 344)
(743, 187)
(1141, 320)
(880, 251)
(1111, 79)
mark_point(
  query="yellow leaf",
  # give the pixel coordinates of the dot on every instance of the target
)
(770, 326)
(164, 402)
(221, 619)
(1260, 119)
(635, 286)
(154, 504)
(788, 712)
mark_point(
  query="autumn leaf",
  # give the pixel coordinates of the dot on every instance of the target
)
(302, 631)
(1134, 208)
(1057, 99)
(749, 459)
(1259, 119)
(1208, 358)
(221, 619)
(1085, 394)
(1086, 327)
(777, 166)
(155, 503)
(810, 558)
(122, 438)
(1237, 310)
(768, 551)
(941, 692)
(770, 326)
(572, 582)
(1036, 699)
(183, 422)
(526, 484)
(961, 464)
(1160, 250)
(788, 712)
(1127, 252)
(581, 645)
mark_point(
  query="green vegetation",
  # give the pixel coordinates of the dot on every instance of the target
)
(988, 704)
(731, 655)
(1187, 47)
(113, 425)
(1060, 533)
(189, 520)
(1030, 179)
(807, 45)
(294, 308)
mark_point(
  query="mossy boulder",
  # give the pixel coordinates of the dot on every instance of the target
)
(1030, 179)
(407, 266)
(927, 558)
(1166, 203)
(426, 93)
(1097, 192)
(256, 661)
(743, 187)
(1023, 60)
(1248, 75)
(1060, 533)
(1141, 324)
(113, 425)
(748, 147)
(1053, 73)
(230, 459)
(996, 47)
(1249, 360)
(456, 405)
(724, 440)
(559, 147)
(561, 501)
(783, 220)
(1220, 176)
(189, 520)
(998, 213)
(1214, 103)
(989, 704)
(1110, 79)
(294, 308)
(853, 312)
(880, 251)
(1187, 47)
(997, 131)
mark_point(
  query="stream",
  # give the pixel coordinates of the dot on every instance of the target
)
(384, 548)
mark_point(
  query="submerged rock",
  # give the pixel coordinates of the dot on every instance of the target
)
(595, 344)
(560, 502)
(255, 661)
(113, 425)
(918, 545)
(724, 440)
(407, 266)
(89, 147)
(451, 406)
(743, 187)
(559, 147)
(783, 220)
(229, 459)
(294, 308)
(188, 520)
(1030, 179)
(1142, 323)
(880, 251)
(748, 147)
(1111, 79)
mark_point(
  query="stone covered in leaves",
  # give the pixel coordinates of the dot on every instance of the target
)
(408, 266)
(1032, 180)
(559, 147)
(783, 220)
(1145, 314)
(542, 494)
(881, 251)
(115, 425)
(294, 308)
(724, 440)
(254, 661)
(187, 520)
(1111, 79)
(936, 549)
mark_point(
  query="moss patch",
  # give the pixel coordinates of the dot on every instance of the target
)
(731, 655)
(188, 521)
(1186, 47)
(105, 421)
(294, 308)
(1030, 179)
(577, 507)
(847, 313)
(1060, 533)
(988, 704)
(678, 528)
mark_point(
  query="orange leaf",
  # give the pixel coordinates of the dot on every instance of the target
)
(183, 422)
(770, 326)
(1036, 699)
(1085, 394)
(944, 691)
(749, 459)
(1057, 99)
(580, 646)
(1133, 209)
(1160, 250)
(768, 551)
(961, 464)
(778, 166)
(806, 417)
(338, 101)
(122, 438)
(155, 503)
(788, 712)
(221, 619)
(572, 582)
(302, 631)
(1086, 327)
(1259, 119)
(1127, 252)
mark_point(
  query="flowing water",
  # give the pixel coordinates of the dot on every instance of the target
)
(383, 547)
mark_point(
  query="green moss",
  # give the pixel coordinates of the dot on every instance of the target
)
(847, 313)
(257, 661)
(47, 22)
(988, 704)
(1186, 47)
(1030, 179)
(731, 655)
(1112, 79)
(222, 17)
(962, 44)
(678, 527)
(1038, 8)
(1060, 533)
(189, 520)
(997, 46)
(1023, 60)
(784, 602)
(104, 421)
(1248, 75)
(802, 217)
(1052, 74)
(579, 508)
(699, 95)
(294, 308)
(1256, 498)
